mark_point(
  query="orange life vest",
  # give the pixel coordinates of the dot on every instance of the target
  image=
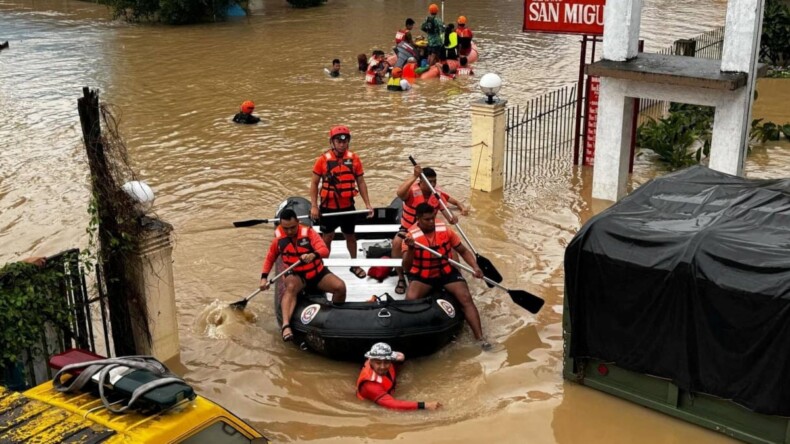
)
(409, 216)
(408, 71)
(367, 374)
(292, 249)
(339, 181)
(425, 264)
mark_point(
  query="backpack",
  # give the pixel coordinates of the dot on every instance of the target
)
(429, 26)
(379, 249)
(380, 273)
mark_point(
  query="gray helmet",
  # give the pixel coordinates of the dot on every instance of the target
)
(381, 351)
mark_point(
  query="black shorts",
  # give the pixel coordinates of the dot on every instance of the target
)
(347, 223)
(311, 285)
(441, 281)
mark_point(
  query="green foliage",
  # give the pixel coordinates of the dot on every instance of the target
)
(763, 132)
(673, 137)
(305, 3)
(173, 12)
(29, 299)
(775, 41)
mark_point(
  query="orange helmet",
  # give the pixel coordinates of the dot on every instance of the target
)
(461, 20)
(396, 72)
(339, 130)
(247, 107)
(433, 9)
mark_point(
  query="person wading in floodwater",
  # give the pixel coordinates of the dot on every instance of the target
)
(377, 379)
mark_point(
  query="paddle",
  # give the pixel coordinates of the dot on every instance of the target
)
(253, 222)
(489, 270)
(523, 298)
(242, 304)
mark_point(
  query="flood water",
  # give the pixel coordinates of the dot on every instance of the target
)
(175, 89)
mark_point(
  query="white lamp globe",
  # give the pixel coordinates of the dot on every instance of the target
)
(141, 193)
(490, 84)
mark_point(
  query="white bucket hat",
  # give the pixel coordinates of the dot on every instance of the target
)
(381, 351)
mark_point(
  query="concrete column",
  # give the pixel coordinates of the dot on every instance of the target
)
(621, 22)
(613, 137)
(488, 145)
(740, 53)
(742, 33)
(153, 272)
(731, 132)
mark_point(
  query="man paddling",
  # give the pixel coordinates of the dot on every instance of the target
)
(339, 175)
(427, 272)
(299, 243)
(377, 380)
(414, 192)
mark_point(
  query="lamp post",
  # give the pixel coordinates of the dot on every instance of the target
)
(142, 194)
(490, 85)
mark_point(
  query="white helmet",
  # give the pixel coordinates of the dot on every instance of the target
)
(381, 351)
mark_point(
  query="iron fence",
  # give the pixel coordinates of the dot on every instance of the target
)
(88, 325)
(707, 45)
(540, 133)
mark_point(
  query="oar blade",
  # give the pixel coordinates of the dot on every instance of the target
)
(489, 270)
(249, 223)
(239, 305)
(526, 300)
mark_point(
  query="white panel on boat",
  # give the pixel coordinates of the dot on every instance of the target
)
(348, 262)
(360, 290)
(383, 228)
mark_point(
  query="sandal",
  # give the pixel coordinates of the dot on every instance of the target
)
(358, 272)
(401, 287)
(287, 336)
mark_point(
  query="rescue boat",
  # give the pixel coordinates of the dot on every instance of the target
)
(373, 312)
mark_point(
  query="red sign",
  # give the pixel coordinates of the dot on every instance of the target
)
(593, 86)
(564, 16)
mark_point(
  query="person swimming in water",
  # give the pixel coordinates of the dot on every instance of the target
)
(245, 115)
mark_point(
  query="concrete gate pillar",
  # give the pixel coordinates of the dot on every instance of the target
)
(153, 272)
(488, 145)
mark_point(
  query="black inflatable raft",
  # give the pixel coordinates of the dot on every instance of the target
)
(373, 312)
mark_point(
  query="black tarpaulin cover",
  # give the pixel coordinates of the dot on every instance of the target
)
(688, 278)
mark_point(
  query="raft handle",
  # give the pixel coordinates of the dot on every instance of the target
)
(384, 313)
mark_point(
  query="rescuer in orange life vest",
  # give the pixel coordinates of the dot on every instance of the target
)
(377, 380)
(296, 242)
(413, 193)
(337, 173)
(427, 272)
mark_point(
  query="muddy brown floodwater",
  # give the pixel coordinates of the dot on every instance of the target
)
(175, 90)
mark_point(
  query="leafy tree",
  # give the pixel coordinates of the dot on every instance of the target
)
(173, 12)
(775, 41)
(305, 3)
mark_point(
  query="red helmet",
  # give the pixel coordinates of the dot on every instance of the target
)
(433, 9)
(462, 20)
(396, 72)
(338, 130)
(247, 107)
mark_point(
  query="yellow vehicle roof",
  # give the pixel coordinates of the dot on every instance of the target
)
(43, 414)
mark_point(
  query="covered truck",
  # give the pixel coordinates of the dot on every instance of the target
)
(678, 298)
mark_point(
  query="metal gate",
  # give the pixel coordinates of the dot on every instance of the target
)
(540, 134)
(88, 325)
